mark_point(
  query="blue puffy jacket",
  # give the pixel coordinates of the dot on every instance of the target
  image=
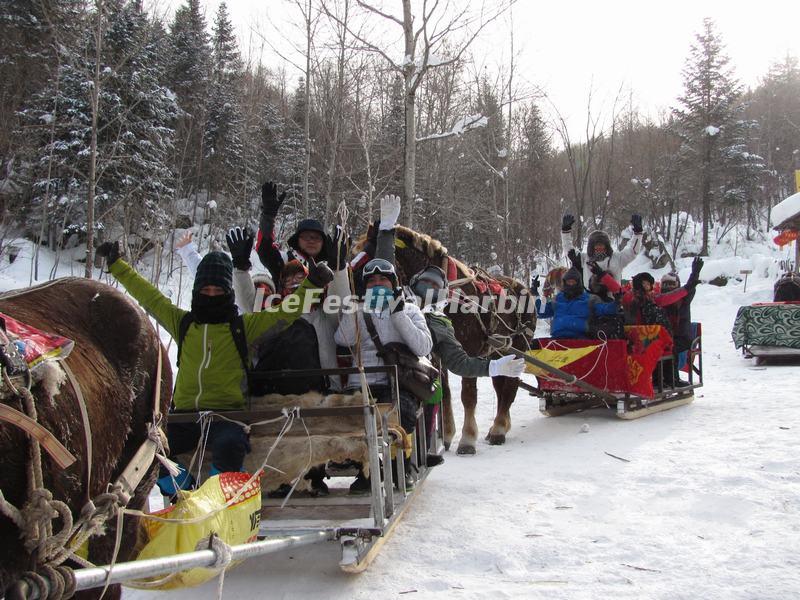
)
(571, 318)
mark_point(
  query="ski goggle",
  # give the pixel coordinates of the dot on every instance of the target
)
(379, 266)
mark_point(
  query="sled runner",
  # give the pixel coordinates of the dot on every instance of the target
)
(635, 376)
(360, 524)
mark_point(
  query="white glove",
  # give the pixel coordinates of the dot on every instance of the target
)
(390, 211)
(507, 366)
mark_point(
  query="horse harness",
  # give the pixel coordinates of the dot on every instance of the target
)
(495, 343)
(35, 518)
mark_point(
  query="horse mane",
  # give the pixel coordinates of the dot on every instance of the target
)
(432, 248)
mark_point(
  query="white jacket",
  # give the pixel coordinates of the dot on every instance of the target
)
(191, 257)
(614, 264)
(407, 326)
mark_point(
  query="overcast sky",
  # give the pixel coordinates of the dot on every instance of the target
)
(566, 48)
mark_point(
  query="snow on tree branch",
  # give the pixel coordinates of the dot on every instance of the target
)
(460, 127)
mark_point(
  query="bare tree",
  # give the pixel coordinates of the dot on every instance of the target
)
(439, 22)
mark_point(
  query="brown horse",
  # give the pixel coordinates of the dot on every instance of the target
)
(481, 331)
(114, 361)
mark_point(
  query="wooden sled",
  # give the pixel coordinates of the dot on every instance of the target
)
(360, 524)
(627, 406)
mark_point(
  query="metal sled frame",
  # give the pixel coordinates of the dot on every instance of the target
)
(629, 406)
(360, 538)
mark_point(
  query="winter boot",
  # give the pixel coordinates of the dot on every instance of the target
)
(280, 492)
(317, 477)
(433, 460)
(361, 486)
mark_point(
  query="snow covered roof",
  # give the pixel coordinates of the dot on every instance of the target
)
(786, 214)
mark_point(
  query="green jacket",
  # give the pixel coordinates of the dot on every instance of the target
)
(211, 374)
(450, 351)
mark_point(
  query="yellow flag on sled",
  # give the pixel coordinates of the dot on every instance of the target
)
(559, 358)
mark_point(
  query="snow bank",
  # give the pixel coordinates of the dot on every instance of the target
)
(787, 209)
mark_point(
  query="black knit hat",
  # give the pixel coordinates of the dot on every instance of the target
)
(641, 277)
(216, 268)
(307, 225)
(572, 291)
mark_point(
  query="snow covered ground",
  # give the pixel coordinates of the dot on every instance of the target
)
(708, 505)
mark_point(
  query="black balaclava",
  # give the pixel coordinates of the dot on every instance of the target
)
(572, 291)
(215, 269)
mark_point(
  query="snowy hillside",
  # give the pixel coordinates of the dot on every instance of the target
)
(705, 505)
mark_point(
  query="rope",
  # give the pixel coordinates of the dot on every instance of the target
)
(224, 557)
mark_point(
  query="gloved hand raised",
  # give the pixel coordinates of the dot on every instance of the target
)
(694, 278)
(535, 286)
(506, 366)
(636, 222)
(270, 201)
(111, 251)
(319, 273)
(390, 212)
(595, 269)
(575, 258)
(566, 223)
(240, 243)
(339, 248)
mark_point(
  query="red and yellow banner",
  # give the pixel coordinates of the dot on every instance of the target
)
(618, 366)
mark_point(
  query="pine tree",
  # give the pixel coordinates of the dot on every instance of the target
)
(134, 129)
(188, 74)
(224, 128)
(708, 122)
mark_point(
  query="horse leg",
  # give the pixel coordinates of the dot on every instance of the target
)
(469, 432)
(506, 389)
(448, 419)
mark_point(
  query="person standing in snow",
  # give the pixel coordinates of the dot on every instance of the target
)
(599, 250)
(308, 243)
(211, 374)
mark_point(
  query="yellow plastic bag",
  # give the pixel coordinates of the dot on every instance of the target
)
(236, 524)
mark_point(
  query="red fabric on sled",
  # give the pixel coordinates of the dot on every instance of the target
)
(617, 366)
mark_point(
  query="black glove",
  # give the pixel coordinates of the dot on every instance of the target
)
(595, 269)
(270, 201)
(636, 221)
(566, 223)
(338, 248)
(320, 274)
(400, 301)
(240, 243)
(694, 278)
(110, 250)
(575, 258)
(535, 286)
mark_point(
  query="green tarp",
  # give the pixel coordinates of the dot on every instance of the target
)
(768, 325)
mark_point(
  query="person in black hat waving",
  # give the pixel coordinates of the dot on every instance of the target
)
(212, 341)
(309, 243)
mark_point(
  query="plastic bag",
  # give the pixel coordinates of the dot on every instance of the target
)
(236, 524)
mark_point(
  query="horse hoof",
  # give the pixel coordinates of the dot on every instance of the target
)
(496, 439)
(465, 450)
(447, 446)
